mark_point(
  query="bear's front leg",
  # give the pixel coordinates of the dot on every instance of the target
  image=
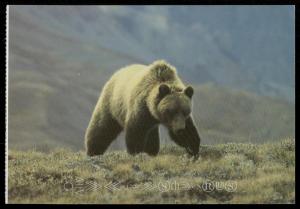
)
(151, 144)
(135, 138)
(188, 138)
(138, 129)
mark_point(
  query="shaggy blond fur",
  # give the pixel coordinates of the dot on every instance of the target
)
(129, 101)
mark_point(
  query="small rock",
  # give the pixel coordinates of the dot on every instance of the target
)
(135, 167)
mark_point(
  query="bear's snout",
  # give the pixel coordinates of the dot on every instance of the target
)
(178, 125)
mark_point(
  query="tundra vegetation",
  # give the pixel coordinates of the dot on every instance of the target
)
(224, 173)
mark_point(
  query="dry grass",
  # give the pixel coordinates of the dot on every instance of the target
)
(239, 173)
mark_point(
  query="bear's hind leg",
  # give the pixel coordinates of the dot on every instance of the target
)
(100, 133)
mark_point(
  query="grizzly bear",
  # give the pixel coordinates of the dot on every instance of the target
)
(136, 99)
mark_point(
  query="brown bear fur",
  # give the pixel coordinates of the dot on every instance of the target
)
(136, 99)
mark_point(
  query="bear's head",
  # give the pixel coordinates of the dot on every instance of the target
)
(174, 106)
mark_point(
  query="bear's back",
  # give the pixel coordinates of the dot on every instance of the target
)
(124, 83)
(128, 78)
(133, 85)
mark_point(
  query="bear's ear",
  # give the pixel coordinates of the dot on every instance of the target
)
(164, 89)
(189, 91)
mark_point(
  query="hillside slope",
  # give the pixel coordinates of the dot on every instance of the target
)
(238, 46)
(61, 56)
(54, 83)
(225, 173)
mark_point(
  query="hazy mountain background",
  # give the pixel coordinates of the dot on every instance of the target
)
(240, 60)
